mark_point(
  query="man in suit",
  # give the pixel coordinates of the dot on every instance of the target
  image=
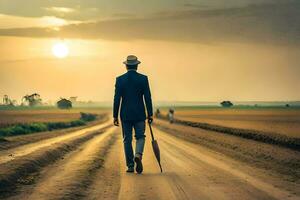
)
(133, 92)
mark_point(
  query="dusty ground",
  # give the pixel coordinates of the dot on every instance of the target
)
(271, 159)
(282, 121)
(89, 164)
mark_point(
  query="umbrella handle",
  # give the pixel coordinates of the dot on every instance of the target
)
(151, 131)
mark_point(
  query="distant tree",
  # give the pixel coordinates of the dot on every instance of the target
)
(226, 104)
(64, 104)
(32, 100)
(287, 105)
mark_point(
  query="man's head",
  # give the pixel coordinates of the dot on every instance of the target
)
(131, 67)
(131, 62)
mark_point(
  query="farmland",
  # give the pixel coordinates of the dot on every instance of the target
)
(21, 122)
(24, 116)
(200, 162)
(275, 120)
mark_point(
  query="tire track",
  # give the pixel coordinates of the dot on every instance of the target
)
(14, 153)
(106, 183)
(23, 170)
(197, 158)
(71, 177)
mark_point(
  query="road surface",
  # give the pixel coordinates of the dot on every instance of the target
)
(89, 164)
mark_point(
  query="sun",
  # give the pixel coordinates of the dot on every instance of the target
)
(60, 50)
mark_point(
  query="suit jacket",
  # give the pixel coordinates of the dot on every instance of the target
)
(133, 91)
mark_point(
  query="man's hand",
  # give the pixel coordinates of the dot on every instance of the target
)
(116, 121)
(150, 119)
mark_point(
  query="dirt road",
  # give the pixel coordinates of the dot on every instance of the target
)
(90, 165)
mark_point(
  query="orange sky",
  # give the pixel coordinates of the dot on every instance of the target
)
(197, 51)
(177, 71)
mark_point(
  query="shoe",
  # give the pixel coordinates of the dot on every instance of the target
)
(139, 165)
(130, 170)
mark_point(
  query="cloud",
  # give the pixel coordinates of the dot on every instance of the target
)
(60, 9)
(124, 15)
(198, 6)
(8, 21)
(265, 23)
(66, 9)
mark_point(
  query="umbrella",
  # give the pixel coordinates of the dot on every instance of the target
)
(155, 148)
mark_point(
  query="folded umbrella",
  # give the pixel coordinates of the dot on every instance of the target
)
(155, 148)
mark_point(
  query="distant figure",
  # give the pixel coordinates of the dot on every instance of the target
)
(133, 88)
(171, 116)
(157, 113)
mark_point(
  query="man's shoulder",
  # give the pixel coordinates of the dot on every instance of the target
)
(142, 75)
(139, 75)
(121, 76)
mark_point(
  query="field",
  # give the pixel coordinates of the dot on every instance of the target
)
(275, 120)
(12, 117)
(197, 163)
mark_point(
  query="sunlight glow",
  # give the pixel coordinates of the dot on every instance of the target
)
(60, 50)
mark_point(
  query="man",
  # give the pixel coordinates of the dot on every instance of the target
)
(132, 89)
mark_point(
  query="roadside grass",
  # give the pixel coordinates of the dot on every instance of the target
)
(26, 128)
(87, 116)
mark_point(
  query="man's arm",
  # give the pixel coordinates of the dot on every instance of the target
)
(148, 99)
(117, 99)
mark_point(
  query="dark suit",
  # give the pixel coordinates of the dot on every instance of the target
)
(132, 88)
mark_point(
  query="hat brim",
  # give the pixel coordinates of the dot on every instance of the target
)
(132, 63)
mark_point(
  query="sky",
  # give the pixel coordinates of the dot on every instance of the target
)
(191, 50)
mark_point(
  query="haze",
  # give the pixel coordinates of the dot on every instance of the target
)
(191, 50)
